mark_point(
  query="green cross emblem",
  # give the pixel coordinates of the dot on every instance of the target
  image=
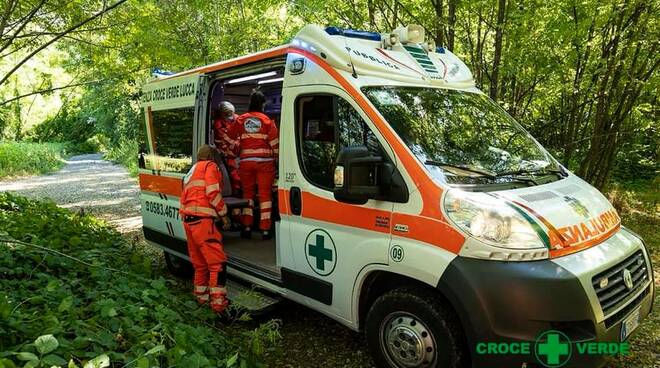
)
(554, 349)
(321, 252)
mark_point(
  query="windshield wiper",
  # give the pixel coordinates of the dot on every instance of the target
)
(532, 172)
(481, 172)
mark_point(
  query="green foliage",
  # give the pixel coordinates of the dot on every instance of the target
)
(638, 204)
(581, 76)
(18, 159)
(68, 125)
(73, 290)
(125, 153)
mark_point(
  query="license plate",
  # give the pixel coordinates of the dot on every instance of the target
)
(629, 324)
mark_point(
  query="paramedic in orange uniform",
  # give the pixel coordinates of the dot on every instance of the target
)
(258, 150)
(227, 117)
(201, 205)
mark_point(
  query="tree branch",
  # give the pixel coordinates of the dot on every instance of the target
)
(56, 38)
(29, 17)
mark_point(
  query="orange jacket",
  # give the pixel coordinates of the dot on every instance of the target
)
(257, 135)
(225, 144)
(202, 191)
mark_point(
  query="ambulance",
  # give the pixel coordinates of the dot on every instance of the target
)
(409, 205)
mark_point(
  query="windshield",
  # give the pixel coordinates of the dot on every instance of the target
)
(461, 137)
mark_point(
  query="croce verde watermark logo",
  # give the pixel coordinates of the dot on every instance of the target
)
(552, 349)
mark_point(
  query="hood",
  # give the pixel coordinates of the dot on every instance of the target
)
(573, 213)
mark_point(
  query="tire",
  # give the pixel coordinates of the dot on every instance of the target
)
(411, 327)
(178, 266)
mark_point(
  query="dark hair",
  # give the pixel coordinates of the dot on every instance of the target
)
(257, 101)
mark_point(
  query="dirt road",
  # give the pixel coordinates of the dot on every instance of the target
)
(105, 190)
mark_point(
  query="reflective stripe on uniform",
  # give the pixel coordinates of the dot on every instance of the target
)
(247, 211)
(212, 187)
(195, 183)
(199, 209)
(264, 151)
(276, 151)
(265, 215)
(254, 135)
(218, 301)
(266, 205)
(216, 290)
(274, 141)
(200, 289)
(227, 139)
(223, 211)
(203, 297)
(216, 200)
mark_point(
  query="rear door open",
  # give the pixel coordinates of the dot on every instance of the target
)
(171, 108)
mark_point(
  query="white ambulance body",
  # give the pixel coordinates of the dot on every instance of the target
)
(409, 205)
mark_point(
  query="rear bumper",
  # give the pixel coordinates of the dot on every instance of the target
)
(517, 301)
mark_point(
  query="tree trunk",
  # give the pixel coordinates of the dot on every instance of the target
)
(439, 27)
(499, 30)
(451, 24)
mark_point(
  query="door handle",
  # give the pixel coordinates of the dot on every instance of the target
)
(295, 199)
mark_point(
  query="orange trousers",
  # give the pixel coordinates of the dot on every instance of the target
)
(257, 176)
(208, 258)
(234, 177)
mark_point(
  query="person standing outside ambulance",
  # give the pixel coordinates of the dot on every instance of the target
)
(226, 117)
(258, 152)
(201, 205)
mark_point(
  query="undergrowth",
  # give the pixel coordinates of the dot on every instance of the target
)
(126, 154)
(74, 293)
(19, 158)
(638, 204)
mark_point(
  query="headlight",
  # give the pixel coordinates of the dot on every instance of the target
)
(491, 220)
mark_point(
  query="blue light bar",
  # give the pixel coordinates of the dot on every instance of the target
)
(352, 33)
(440, 50)
(157, 71)
(334, 31)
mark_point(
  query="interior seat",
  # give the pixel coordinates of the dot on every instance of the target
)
(231, 202)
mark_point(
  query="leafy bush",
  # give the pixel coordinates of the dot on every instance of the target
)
(69, 125)
(73, 290)
(125, 153)
(30, 158)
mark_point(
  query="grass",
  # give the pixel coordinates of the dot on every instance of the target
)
(21, 159)
(638, 204)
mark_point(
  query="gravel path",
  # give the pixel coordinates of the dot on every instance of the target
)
(90, 184)
(105, 190)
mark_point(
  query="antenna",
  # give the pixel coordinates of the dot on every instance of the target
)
(350, 58)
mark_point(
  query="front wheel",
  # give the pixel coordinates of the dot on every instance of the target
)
(178, 266)
(412, 328)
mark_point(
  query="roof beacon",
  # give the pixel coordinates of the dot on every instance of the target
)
(352, 33)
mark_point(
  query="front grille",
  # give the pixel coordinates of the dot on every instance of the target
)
(613, 293)
(616, 317)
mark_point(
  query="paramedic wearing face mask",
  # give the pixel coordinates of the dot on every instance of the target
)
(227, 146)
(258, 150)
(201, 205)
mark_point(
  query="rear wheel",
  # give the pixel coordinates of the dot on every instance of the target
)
(178, 266)
(412, 328)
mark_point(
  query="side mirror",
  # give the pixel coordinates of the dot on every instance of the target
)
(357, 175)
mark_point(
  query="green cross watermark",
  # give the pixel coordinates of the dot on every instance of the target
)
(319, 252)
(552, 349)
(555, 351)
